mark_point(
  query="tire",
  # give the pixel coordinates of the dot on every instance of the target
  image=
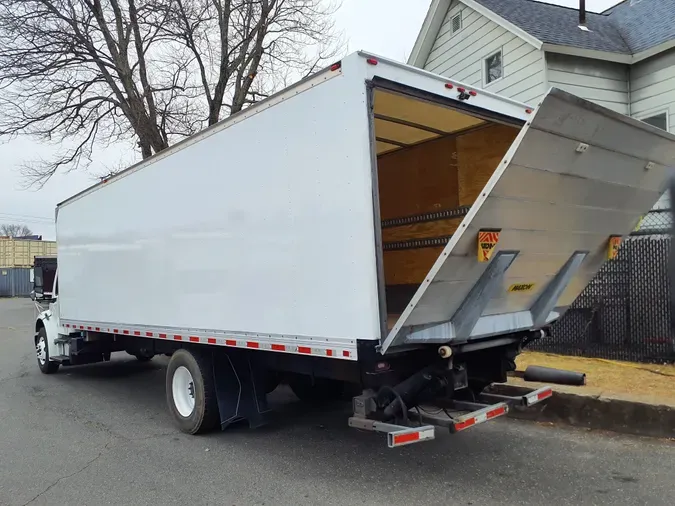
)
(316, 390)
(42, 350)
(190, 392)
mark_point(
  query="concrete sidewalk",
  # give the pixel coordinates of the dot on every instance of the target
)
(619, 396)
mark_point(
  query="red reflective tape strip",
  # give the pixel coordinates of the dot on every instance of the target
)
(345, 353)
(163, 336)
(406, 438)
(211, 340)
(278, 347)
(148, 334)
(465, 424)
(496, 412)
(545, 394)
(329, 353)
(252, 344)
(194, 339)
(304, 349)
(231, 342)
(177, 338)
(137, 333)
(125, 332)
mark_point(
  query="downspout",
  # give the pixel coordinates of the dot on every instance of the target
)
(630, 93)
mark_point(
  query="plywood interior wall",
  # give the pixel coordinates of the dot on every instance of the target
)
(409, 266)
(478, 155)
(419, 179)
(437, 175)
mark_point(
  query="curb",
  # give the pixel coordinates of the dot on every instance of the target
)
(595, 412)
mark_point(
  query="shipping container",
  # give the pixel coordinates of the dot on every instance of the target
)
(22, 252)
(15, 281)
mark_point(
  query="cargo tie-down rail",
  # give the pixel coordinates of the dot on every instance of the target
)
(474, 413)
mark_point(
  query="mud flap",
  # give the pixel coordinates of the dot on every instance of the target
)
(240, 389)
(576, 176)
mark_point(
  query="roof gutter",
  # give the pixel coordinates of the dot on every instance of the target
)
(588, 53)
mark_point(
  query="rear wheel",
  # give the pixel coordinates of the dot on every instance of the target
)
(190, 392)
(316, 390)
(42, 351)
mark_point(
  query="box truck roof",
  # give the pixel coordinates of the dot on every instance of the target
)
(462, 97)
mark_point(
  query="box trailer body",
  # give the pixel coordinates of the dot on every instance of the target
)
(373, 215)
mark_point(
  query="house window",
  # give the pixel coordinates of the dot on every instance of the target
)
(494, 67)
(658, 120)
(457, 22)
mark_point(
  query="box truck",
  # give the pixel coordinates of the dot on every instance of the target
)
(374, 229)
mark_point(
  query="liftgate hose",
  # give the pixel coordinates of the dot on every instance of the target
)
(550, 375)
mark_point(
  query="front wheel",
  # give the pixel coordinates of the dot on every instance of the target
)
(190, 392)
(42, 350)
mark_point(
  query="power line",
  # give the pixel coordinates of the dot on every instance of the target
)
(25, 217)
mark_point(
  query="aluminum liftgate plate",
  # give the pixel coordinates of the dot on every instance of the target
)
(577, 175)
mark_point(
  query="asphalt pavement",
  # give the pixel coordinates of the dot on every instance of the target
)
(101, 434)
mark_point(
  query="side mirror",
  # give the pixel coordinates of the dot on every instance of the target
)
(38, 284)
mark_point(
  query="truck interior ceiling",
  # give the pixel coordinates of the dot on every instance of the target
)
(432, 162)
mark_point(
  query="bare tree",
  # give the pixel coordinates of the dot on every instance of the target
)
(15, 230)
(87, 73)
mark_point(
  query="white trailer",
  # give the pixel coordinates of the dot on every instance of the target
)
(374, 226)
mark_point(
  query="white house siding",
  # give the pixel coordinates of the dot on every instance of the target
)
(461, 56)
(652, 91)
(652, 87)
(605, 83)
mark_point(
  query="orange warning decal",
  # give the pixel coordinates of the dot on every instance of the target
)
(613, 249)
(487, 241)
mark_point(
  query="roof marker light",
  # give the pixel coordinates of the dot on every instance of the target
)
(528, 111)
(449, 86)
(336, 66)
(461, 90)
(473, 93)
(372, 61)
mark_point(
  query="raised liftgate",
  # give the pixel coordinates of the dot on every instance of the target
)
(576, 179)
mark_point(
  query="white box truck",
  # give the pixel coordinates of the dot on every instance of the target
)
(374, 229)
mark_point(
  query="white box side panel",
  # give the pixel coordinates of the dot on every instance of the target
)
(265, 227)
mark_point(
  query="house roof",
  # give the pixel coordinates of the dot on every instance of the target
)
(554, 24)
(644, 24)
(628, 32)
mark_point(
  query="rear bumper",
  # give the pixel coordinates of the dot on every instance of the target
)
(456, 416)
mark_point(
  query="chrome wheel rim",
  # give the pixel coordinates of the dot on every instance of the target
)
(183, 389)
(41, 350)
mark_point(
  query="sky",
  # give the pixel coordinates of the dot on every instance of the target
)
(384, 27)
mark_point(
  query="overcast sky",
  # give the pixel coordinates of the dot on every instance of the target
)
(384, 27)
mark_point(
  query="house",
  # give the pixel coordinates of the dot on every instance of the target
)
(623, 58)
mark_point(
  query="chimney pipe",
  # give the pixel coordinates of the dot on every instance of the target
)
(582, 13)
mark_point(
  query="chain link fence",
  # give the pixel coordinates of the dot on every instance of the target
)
(624, 313)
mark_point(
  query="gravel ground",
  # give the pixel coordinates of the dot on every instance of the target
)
(101, 434)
